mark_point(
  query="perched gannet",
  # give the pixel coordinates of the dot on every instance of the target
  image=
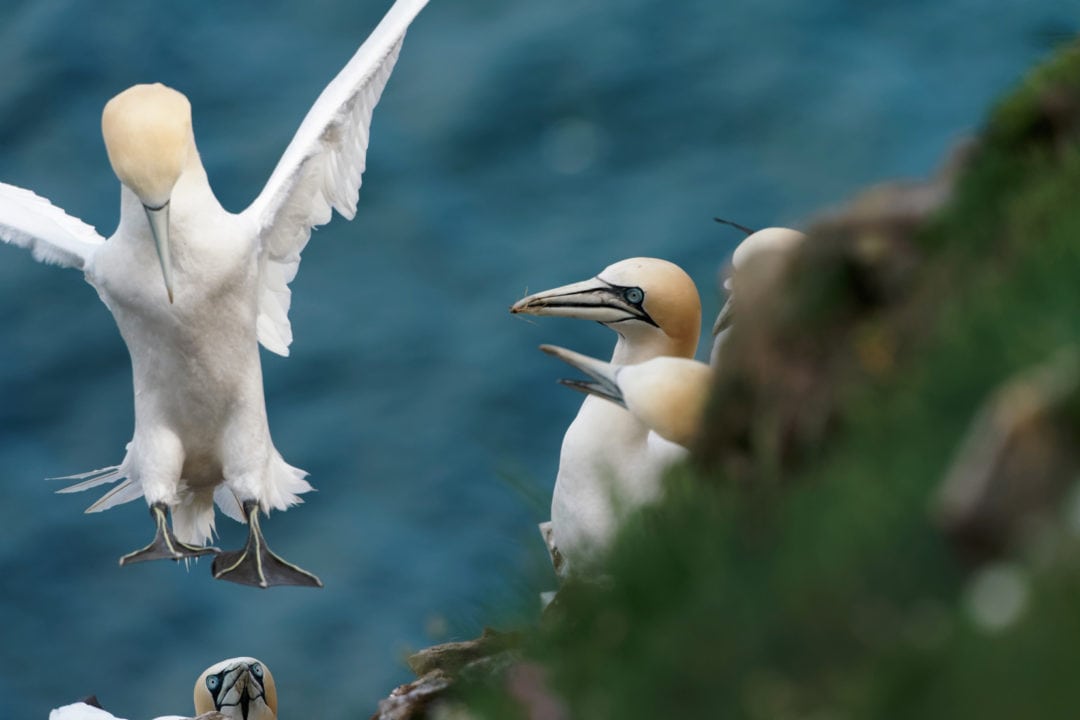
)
(667, 394)
(771, 239)
(194, 289)
(610, 462)
(240, 688)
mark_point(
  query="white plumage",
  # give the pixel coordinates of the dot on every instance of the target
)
(610, 462)
(240, 688)
(201, 432)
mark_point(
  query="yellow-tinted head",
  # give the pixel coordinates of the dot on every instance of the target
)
(670, 297)
(649, 300)
(147, 131)
(240, 688)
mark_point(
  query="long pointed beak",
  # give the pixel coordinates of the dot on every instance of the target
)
(604, 375)
(588, 300)
(723, 318)
(159, 227)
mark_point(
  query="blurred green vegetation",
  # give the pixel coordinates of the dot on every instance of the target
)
(799, 568)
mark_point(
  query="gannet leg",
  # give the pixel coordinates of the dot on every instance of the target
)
(165, 546)
(256, 564)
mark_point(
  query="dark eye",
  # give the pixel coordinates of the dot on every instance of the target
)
(212, 682)
(634, 295)
(256, 670)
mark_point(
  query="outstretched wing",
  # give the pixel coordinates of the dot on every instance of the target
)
(320, 170)
(53, 236)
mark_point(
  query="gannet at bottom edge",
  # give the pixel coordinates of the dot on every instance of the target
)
(240, 688)
(195, 289)
(609, 462)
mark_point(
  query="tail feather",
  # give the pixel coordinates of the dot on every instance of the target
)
(227, 502)
(193, 516)
(124, 492)
(92, 479)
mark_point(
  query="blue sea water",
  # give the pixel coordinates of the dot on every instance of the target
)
(518, 146)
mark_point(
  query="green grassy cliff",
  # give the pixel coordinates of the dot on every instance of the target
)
(882, 519)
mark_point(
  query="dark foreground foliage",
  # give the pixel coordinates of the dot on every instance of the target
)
(882, 520)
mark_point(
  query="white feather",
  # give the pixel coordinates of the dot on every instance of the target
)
(51, 235)
(321, 170)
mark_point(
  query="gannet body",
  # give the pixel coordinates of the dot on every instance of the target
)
(195, 289)
(610, 462)
(767, 240)
(85, 711)
(666, 394)
(240, 688)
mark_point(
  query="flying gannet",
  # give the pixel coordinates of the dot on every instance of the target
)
(195, 289)
(666, 394)
(610, 463)
(766, 240)
(239, 688)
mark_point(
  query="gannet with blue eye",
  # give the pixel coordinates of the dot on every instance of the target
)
(666, 394)
(757, 243)
(240, 688)
(610, 463)
(195, 289)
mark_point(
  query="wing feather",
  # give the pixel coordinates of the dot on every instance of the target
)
(321, 170)
(51, 235)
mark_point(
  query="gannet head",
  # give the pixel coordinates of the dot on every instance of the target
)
(638, 297)
(148, 137)
(240, 688)
(768, 240)
(667, 394)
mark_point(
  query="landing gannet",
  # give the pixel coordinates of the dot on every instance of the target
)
(240, 688)
(195, 289)
(771, 239)
(610, 463)
(666, 394)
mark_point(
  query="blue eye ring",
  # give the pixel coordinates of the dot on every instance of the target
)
(256, 670)
(212, 682)
(634, 295)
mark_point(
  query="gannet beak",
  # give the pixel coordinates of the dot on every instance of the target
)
(723, 319)
(159, 227)
(593, 299)
(605, 375)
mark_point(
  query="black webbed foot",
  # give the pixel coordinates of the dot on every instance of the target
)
(256, 564)
(165, 546)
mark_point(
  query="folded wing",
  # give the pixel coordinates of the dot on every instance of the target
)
(51, 235)
(321, 170)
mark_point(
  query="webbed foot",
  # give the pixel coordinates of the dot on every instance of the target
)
(256, 564)
(165, 546)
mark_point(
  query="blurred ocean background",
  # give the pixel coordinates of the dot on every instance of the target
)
(518, 146)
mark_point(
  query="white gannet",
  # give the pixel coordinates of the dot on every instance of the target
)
(240, 688)
(770, 239)
(667, 394)
(195, 289)
(610, 462)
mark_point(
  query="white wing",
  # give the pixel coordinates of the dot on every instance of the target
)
(80, 711)
(53, 236)
(320, 170)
